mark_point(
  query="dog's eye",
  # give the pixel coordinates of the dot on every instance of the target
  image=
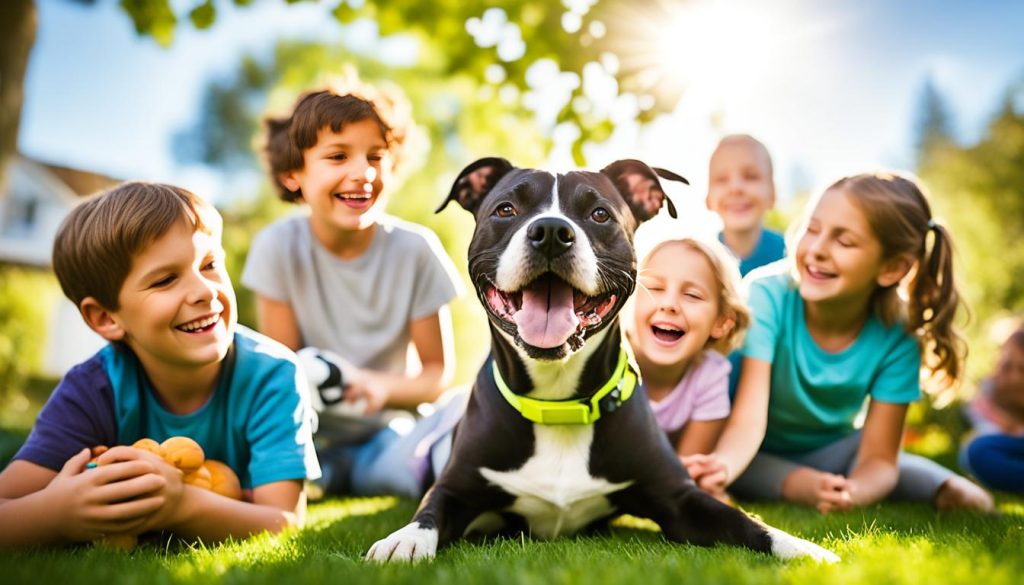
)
(600, 215)
(505, 210)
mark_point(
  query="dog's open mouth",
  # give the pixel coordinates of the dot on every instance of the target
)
(548, 311)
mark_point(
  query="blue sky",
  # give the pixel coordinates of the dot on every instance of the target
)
(837, 91)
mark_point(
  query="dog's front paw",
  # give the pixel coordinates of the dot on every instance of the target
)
(787, 546)
(410, 543)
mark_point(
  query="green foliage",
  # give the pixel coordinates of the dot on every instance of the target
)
(934, 126)
(25, 296)
(152, 17)
(532, 31)
(888, 543)
(10, 442)
(540, 25)
(223, 134)
(202, 16)
(19, 412)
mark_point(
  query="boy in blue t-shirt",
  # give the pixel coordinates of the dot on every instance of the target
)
(144, 264)
(741, 190)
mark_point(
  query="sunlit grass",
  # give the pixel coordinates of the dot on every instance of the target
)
(889, 543)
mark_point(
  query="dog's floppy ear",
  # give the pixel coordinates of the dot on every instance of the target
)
(476, 181)
(670, 175)
(639, 186)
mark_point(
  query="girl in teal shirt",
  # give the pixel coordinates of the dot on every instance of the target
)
(831, 331)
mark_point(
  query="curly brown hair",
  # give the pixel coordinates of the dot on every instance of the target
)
(344, 102)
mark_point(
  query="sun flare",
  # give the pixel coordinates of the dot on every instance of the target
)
(721, 46)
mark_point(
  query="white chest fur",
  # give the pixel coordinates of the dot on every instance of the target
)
(554, 489)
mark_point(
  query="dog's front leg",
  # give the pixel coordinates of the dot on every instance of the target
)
(438, 521)
(690, 515)
(717, 522)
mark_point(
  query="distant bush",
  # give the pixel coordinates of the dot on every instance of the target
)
(24, 295)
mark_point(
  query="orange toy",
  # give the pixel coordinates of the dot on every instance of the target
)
(223, 479)
(185, 454)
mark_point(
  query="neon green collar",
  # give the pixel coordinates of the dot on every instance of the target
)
(575, 411)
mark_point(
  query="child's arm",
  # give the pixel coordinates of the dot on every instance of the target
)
(277, 321)
(699, 436)
(212, 517)
(40, 506)
(695, 442)
(745, 428)
(876, 471)
(193, 512)
(432, 337)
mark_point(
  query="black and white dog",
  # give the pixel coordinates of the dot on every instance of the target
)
(551, 441)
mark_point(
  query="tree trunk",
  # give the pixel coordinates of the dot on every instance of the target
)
(18, 22)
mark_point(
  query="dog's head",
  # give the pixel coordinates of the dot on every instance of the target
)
(552, 256)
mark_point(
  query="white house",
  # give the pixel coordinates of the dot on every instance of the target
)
(38, 197)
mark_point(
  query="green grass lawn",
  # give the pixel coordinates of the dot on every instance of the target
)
(888, 543)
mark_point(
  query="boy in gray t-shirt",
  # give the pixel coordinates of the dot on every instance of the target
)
(350, 281)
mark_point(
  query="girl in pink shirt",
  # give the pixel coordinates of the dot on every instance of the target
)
(686, 316)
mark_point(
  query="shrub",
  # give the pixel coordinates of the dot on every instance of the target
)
(25, 296)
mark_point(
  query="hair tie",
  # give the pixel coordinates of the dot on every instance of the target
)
(932, 225)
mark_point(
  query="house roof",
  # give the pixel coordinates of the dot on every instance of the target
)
(81, 182)
(38, 196)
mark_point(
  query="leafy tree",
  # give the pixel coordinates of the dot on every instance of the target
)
(499, 40)
(24, 296)
(935, 125)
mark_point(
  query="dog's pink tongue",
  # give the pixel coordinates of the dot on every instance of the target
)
(547, 317)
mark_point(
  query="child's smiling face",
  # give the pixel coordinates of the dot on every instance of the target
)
(740, 186)
(177, 306)
(677, 308)
(838, 256)
(343, 175)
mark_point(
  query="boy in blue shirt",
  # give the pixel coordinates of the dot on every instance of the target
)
(741, 190)
(144, 264)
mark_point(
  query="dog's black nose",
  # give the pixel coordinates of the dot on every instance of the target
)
(551, 236)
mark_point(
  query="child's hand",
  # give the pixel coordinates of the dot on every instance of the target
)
(112, 499)
(827, 492)
(369, 386)
(835, 493)
(710, 473)
(170, 492)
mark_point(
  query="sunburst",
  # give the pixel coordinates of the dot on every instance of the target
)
(666, 47)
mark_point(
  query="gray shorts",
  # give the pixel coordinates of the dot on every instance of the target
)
(920, 477)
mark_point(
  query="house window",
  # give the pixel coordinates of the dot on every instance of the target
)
(19, 220)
